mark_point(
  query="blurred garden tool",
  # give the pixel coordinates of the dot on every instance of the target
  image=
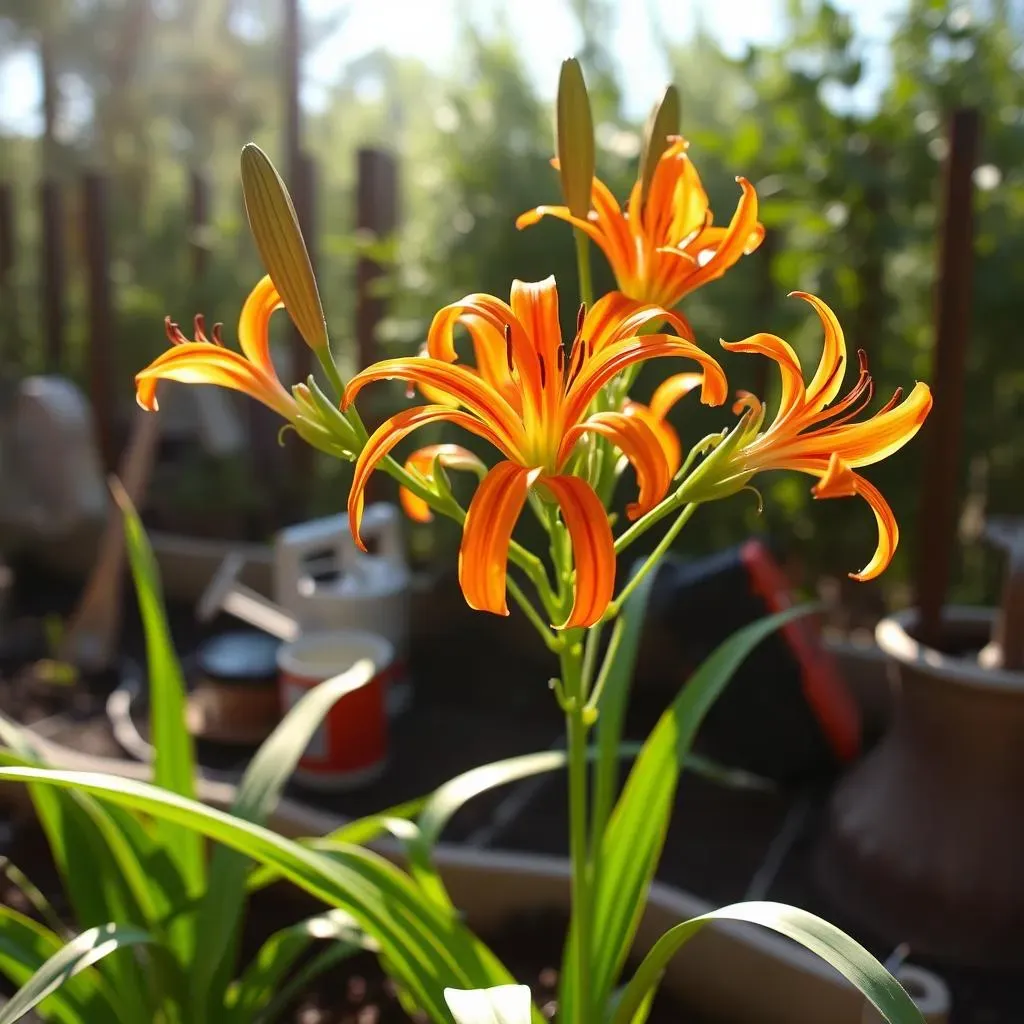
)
(226, 594)
(90, 640)
(786, 714)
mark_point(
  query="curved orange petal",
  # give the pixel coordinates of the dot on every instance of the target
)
(197, 362)
(387, 435)
(615, 358)
(794, 393)
(593, 549)
(828, 378)
(487, 533)
(421, 461)
(638, 442)
(659, 209)
(616, 316)
(535, 306)
(838, 480)
(254, 324)
(491, 358)
(461, 383)
(618, 243)
(663, 431)
(592, 230)
(874, 439)
(690, 204)
(742, 236)
(671, 389)
(499, 315)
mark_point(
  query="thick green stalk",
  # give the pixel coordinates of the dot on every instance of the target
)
(583, 267)
(576, 728)
(652, 560)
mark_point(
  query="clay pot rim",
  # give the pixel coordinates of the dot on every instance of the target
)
(893, 637)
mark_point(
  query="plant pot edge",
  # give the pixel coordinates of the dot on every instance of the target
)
(782, 983)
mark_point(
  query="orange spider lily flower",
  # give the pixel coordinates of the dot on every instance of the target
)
(666, 247)
(205, 360)
(655, 413)
(811, 435)
(530, 399)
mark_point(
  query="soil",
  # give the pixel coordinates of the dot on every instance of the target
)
(471, 707)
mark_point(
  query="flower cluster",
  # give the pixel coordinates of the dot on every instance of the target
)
(558, 411)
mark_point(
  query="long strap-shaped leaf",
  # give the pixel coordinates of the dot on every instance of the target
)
(425, 948)
(258, 793)
(631, 845)
(174, 764)
(851, 959)
(81, 952)
(276, 957)
(25, 945)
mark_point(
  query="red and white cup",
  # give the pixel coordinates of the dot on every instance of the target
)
(350, 747)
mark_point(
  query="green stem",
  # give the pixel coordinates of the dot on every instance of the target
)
(576, 729)
(583, 267)
(590, 649)
(551, 641)
(645, 522)
(652, 560)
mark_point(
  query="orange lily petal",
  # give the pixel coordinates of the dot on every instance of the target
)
(635, 439)
(671, 389)
(531, 217)
(793, 390)
(487, 533)
(387, 435)
(828, 378)
(742, 236)
(615, 358)
(499, 315)
(839, 481)
(254, 324)
(874, 439)
(593, 548)
(197, 362)
(616, 316)
(461, 383)
(451, 456)
(663, 431)
(659, 209)
(618, 244)
(535, 305)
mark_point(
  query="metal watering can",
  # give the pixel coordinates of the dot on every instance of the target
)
(326, 583)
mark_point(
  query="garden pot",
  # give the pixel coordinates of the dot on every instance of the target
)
(925, 840)
(735, 972)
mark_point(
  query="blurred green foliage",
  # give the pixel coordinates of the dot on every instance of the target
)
(848, 191)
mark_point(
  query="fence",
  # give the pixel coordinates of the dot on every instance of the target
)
(376, 206)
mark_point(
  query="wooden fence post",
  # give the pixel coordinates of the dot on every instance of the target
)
(100, 343)
(936, 535)
(53, 272)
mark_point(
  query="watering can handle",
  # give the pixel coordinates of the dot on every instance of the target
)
(382, 523)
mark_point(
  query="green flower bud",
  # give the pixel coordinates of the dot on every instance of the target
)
(574, 129)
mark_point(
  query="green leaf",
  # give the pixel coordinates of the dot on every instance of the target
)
(851, 959)
(85, 848)
(264, 976)
(220, 913)
(174, 763)
(297, 983)
(80, 953)
(425, 947)
(613, 685)
(632, 842)
(506, 1004)
(275, 227)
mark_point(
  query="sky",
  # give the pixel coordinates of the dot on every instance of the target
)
(546, 32)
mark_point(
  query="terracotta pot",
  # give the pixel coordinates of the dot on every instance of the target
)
(925, 842)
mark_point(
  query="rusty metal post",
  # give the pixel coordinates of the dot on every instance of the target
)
(936, 537)
(377, 217)
(100, 342)
(199, 219)
(53, 272)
